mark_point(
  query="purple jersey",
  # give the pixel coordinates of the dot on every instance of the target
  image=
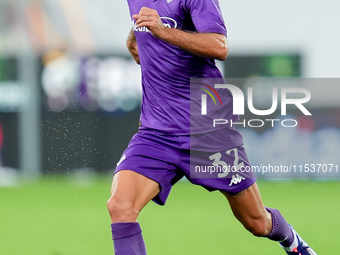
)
(167, 69)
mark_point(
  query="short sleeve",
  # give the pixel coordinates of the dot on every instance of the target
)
(206, 16)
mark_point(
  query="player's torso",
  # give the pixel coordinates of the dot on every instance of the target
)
(167, 69)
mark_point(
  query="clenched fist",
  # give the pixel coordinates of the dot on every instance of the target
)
(149, 18)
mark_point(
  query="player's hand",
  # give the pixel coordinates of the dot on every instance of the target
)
(149, 18)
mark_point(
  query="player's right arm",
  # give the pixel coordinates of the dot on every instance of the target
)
(131, 44)
(208, 45)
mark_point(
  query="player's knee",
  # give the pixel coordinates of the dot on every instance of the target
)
(121, 210)
(259, 227)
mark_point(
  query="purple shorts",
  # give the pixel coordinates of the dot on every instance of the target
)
(166, 159)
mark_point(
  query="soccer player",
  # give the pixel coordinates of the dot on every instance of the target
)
(174, 41)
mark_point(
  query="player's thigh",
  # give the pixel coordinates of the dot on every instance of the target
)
(248, 207)
(131, 189)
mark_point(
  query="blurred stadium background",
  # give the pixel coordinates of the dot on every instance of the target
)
(69, 103)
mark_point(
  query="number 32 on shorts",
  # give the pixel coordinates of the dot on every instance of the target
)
(226, 168)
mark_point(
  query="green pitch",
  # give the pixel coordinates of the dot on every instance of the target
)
(54, 216)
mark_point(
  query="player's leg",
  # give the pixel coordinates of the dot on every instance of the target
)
(129, 194)
(248, 208)
(150, 159)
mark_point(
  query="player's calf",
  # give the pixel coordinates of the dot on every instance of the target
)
(248, 208)
(260, 227)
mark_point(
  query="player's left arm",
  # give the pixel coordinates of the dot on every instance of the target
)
(209, 45)
(131, 44)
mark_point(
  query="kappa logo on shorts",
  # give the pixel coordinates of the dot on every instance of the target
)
(168, 1)
(236, 179)
(121, 160)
